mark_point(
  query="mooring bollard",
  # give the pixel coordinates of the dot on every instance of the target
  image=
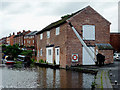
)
(110, 74)
(110, 69)
(115, 81)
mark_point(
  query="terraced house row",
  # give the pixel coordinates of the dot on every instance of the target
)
(25, 39)
(58, 44)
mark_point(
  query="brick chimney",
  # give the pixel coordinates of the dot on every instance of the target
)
(13, 33)
(28, 31)
(23, 31)
(18, 32)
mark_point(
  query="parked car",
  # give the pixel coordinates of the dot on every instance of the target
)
(116, 56)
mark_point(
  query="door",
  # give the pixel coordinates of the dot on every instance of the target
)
(49, 55)
(87, 60)
(57, 56)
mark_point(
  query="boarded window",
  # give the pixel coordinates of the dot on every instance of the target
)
(88, 32)
(57, 30)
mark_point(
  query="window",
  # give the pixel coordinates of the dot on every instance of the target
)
(57, 30)
(40, 52)
(48, 34)
(57, 51)
(88, 32)
(41, 36)
(49, 52)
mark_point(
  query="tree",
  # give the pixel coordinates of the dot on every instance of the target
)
(27, 53)
(13, 51)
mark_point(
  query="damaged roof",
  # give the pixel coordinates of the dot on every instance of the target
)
(104, 46)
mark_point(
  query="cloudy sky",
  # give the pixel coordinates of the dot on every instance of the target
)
(18, 15)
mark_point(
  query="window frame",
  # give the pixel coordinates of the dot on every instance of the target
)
(57, 30)
(48, 34)
(41, 52)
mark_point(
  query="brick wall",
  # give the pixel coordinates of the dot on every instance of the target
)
(87, 17)
(108, 55)
(68, 41)
(57, 40)
(115, 41)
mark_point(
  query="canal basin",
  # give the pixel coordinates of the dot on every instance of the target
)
(37, 77)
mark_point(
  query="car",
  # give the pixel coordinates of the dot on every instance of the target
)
(116, 56)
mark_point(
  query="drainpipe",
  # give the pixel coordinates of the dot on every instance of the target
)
(82, 42)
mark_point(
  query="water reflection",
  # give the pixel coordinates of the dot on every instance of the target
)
(51, 78)
(44, 78)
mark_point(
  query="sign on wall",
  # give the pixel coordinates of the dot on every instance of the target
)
(74, 57)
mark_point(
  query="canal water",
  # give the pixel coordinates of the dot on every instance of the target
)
(38, 77)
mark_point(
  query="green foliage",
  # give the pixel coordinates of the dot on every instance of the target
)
(14, 50)
(19, 62)
(33, 61)
(27, 53)
(41, 61)
(3, 46)
(32, 47)
(65, 16)
(93, 85)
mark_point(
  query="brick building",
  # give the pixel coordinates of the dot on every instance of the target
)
(19, 38)
(30, 39)
(10, 39)
(115, 41)
(3, 40)
(57, 43)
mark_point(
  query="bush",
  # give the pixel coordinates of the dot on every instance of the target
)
(41, 61)
(33, 61)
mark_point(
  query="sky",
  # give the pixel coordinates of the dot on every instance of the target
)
(18, 15)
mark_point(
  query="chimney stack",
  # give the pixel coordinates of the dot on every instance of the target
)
(18, 32)
(13, 33)
(23, 31)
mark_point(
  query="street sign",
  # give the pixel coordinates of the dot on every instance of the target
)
(74, 57)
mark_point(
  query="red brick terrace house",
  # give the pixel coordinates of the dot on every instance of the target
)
(57, 43)
(10, 39)
(30, 39)
(115, 41)
(19, 38)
